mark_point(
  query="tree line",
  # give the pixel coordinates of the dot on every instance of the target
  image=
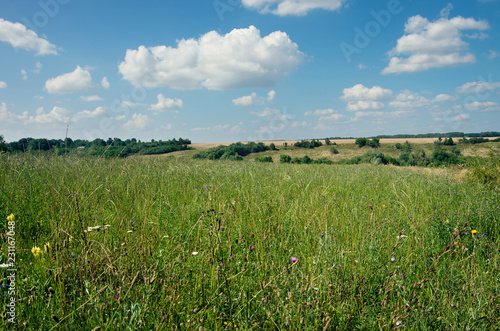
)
(112, 147)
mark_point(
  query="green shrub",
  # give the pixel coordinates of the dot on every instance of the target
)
(285, 158)
(334, 150)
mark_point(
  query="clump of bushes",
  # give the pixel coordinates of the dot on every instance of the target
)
(374, 143)
(308, 144)
(476, 140)
(304, 160)
(404, 147)
(232, 152)
(334, 150)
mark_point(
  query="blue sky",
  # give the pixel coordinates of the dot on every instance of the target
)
(247, 70)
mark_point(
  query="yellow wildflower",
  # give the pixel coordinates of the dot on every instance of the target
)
(10, 218)
(474, 231)
(36, 251)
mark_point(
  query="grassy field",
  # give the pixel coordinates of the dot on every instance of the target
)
(162, 243)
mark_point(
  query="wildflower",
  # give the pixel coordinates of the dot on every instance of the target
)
(252, 248)
(293, 259)
(383, 206)
(474, 231)
(484, 235)
(36, 251)
(370, 206)
(393, 259)
(117, 296)
(10, 218)
(398, 323)
(194, 253)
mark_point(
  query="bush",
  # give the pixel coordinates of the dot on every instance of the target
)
(323, 160)
(361, 142)
(449, 142)
(308, 144)
(304, 160)
(441, 157)
(285, 158)
(334, 150)
(237, 151)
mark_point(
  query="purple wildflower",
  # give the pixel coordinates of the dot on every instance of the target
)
(252, 248)
(393, 259)
(293, 259)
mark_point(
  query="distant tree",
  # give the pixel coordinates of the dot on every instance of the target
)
(285, 144)
(360, 142)
(3, 145)
(327, 142)
(272, 146)
(98, 142)
(449, 142)
(407, 146)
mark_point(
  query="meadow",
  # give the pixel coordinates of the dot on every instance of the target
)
(168, 242)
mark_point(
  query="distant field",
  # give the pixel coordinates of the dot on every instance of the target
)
(347, 149)
(279, 143)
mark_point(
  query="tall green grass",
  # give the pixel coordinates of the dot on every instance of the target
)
(240, 245)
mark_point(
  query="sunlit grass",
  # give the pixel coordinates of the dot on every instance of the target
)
(187, 244)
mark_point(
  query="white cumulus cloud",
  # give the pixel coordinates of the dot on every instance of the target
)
(137, 122)
(478, 87)
(91, 98)
(433, 44)
(104, 83)
(482, 106)
(360, 97)
(88, 114)
(56, 115)
(239, 59)
(3, 84)
(254, 100)
(292, 7)
(166, 103)
(78, 80)
(19, 36)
